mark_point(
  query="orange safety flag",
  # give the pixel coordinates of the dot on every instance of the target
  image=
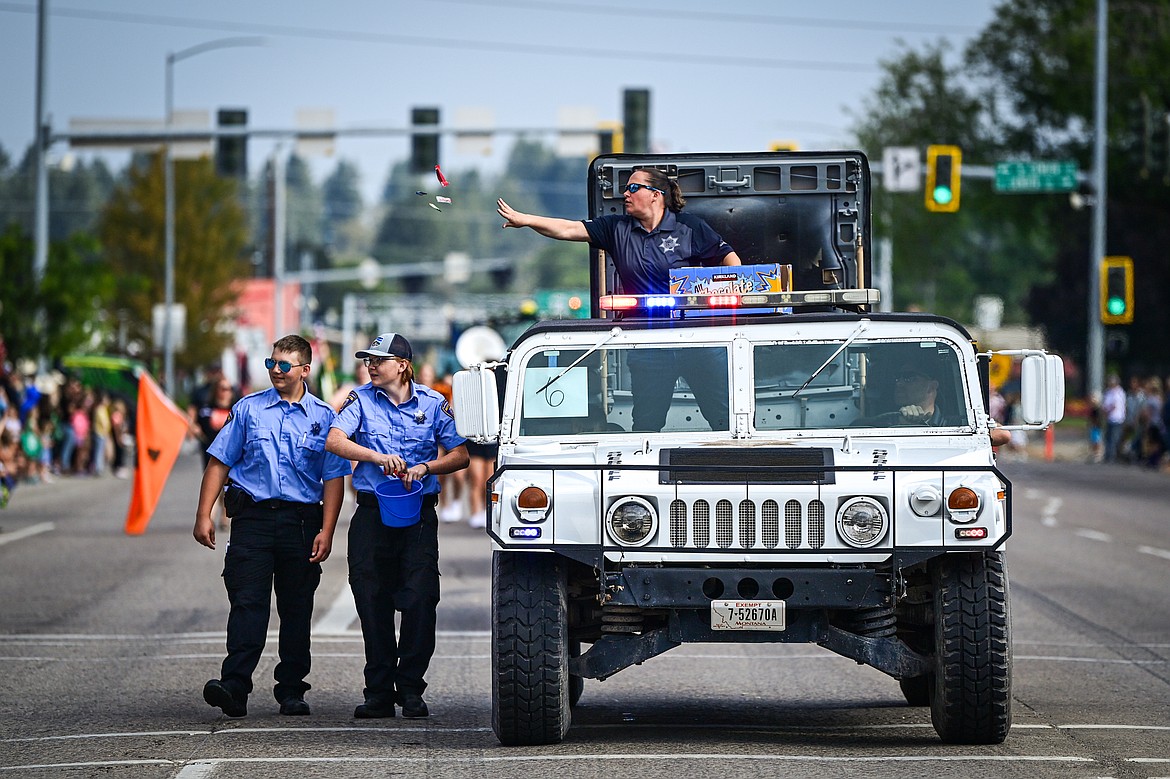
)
(160, 430)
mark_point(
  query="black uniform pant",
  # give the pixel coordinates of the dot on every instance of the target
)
(270, 549)
(653, 374)
(395, 569)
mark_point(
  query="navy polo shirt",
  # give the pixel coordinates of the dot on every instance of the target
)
(276, 449)
(644, 259)
(413, 430)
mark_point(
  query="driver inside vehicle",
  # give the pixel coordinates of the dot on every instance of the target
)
(916, 399)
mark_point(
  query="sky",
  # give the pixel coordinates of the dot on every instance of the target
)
(730, 76)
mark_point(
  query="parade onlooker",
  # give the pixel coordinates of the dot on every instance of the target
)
(1153, 440)
(209, 420)
(1113, 410)
(101, 430)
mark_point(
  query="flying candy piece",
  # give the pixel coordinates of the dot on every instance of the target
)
(419, 192)
(432, 205)
(442, 178)
(441, 199)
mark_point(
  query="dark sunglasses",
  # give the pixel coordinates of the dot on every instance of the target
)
(633, 187)
(906, 378)
(284, 365)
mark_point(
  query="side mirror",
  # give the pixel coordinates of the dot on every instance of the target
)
(477, 413)
(1041, 389)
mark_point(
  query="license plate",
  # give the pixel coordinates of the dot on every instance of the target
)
(747, 615)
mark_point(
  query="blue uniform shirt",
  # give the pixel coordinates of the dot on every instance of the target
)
(276, 449)
(413, 430)
(644, 259)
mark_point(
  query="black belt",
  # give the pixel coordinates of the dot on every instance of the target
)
(272, 504)
(365, 498)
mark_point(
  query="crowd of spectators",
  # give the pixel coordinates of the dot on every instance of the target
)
(54, 426)
(1133, 422)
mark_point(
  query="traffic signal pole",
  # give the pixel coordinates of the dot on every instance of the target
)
(1095, 349)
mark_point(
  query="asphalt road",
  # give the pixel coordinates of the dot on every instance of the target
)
(106, 641)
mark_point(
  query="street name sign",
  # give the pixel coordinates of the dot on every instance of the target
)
(1036, 176)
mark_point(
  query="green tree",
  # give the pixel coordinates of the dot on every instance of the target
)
(343, 207)
(991, 245)
(210, 236)
(1041, 57)
(74, 296)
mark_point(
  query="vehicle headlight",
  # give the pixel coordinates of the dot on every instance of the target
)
(861, 522)
(631, 521)
(963, 505)
(532, 504)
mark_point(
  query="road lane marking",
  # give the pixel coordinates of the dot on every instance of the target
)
(710, 756)
(94, 764)
(195, 638)
(25, 532)
(196, 771)
(339, 617)
(439, 730)
(1049, 512)
(1092, 535)
(1155, 552)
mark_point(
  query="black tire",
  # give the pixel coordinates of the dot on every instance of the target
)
(916, 689)
(576, 683)
(530, 657)
(971, 699)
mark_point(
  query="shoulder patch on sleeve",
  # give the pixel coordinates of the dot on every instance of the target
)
(446, 409)
(231, 415)
(350, 398)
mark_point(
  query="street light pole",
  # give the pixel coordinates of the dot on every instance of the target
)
(169, 186)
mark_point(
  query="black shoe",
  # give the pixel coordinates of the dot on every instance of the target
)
(413, 705)
(372, 709)
(221, 697)
(294, 707)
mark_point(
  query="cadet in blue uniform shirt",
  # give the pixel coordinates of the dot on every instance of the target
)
(284, 496)
(645, 243)
(393, 427)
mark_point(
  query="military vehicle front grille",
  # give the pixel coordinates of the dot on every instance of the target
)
(751, 525)
(747, 523)
(701, 521)
(770, 524)
(723, 523)
(792, 524)
(816, 524)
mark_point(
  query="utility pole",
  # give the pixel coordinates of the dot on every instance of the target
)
(40, 149)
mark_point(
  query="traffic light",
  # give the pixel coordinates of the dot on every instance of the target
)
(636, 118)
(231, 152)
(424, 146)
(610, 139)
(1117, 291)
(943, 171)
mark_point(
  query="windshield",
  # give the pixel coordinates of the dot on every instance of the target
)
(869, 384)
(625, 389)
(643, 388)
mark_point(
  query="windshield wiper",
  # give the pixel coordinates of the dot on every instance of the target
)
(844, 345)
(608, 337)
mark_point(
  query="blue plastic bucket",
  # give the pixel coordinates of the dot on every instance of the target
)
(399, 507)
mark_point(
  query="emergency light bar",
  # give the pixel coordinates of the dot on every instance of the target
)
(832, 297)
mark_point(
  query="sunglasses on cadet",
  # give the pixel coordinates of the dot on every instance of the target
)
(907, 378)
(634, 187)
(373, 362)
(284, 365)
